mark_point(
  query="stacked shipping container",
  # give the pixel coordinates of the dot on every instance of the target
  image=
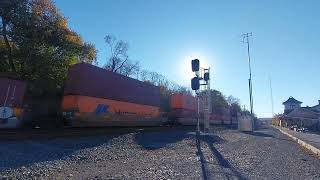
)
(95, 96)
(183, 109)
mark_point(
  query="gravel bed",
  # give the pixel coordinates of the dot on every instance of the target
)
(166, 153)
(268, 154)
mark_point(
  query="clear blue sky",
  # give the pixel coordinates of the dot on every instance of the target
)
(164, 35)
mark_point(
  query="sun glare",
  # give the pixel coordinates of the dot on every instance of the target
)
(186, 65)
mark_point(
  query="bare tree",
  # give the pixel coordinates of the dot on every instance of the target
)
(163, 81)
(232, 100)
(118, 61)
(144, 75)
(153, 77)
(130, 68)
(160, 80)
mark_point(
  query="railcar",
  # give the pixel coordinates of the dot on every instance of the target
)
(97, 97)
(183, 109)
(11, 102)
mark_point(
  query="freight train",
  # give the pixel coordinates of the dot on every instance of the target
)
(11, 99)
(97, 97)
(183, 110)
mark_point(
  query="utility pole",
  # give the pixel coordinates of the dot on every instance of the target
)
(246, 40)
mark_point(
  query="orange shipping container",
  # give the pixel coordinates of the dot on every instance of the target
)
(182, 101)
(86, 104)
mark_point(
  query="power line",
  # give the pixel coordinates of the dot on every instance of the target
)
(271, 96)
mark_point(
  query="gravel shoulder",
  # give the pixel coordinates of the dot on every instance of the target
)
(165, 153)
(268, 154)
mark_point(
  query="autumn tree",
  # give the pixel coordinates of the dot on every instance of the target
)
(219, 103)
(118, 60)
(37, 45)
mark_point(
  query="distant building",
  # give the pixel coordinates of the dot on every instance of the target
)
(294, 114)
(291, 104)
(316, 107)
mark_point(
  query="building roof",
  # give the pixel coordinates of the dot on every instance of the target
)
(316, 105)
(292, 100)
(303, 112)
(313, 108)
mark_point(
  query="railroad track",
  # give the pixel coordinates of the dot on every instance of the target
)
(43, 134)
(31, 134)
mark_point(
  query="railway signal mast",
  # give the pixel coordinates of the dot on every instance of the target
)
(204, 75)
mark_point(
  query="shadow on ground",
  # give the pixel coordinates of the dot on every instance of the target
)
(160, 139)
(204, 167)
(222, 162)
(260, 134)
(17, 154)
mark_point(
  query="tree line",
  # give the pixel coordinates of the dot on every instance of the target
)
(36, 45)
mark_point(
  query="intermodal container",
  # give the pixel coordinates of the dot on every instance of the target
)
(183, 101)
(88, 80)
(11, 92)
(182, 113)
(86, 104)
(11, 102)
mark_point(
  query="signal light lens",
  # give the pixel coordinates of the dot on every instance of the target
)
(206, 76)
(195, 65)
(195, 83)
